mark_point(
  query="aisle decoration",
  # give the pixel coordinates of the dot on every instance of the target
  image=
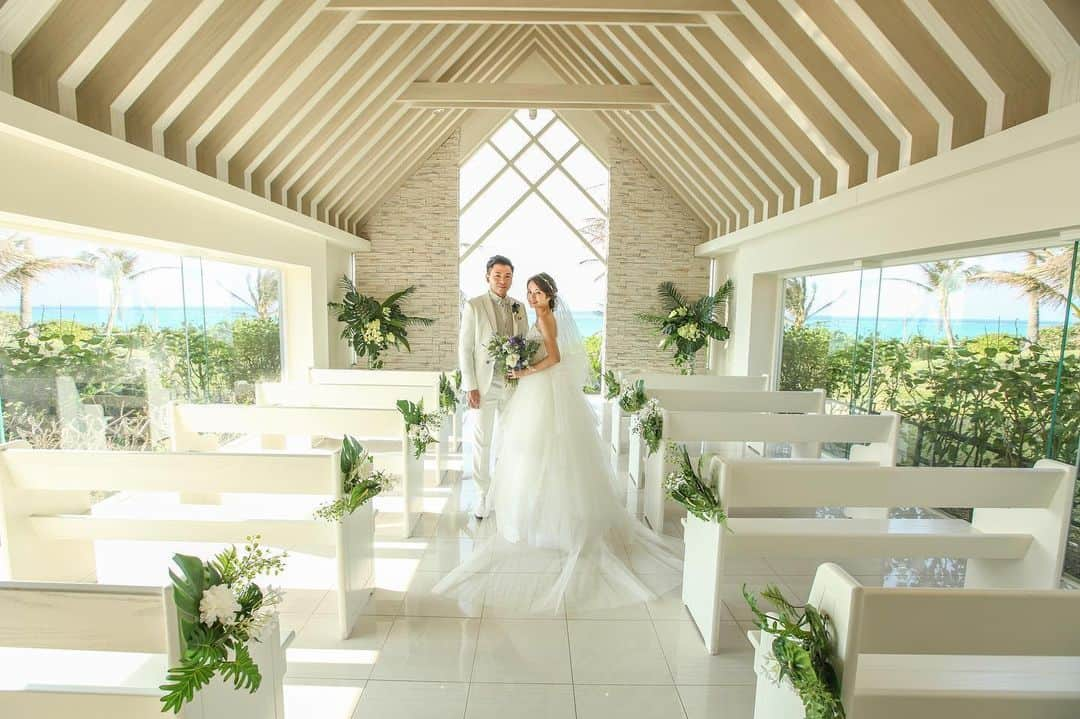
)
(371, 326)
(685, 485)
(632, 397)
(421, 427)
(688, 326)
(648, 423)
(221, 610)
(449, 394)
(803, 650)
(360, 482)
(511, 353)
(612, 386)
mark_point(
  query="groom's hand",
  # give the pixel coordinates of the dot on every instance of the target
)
(474, 398)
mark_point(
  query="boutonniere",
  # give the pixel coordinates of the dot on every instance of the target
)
(515, 309)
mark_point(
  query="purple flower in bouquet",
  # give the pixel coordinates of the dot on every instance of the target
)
(512, 353)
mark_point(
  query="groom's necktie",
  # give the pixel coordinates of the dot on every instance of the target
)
(504, 323)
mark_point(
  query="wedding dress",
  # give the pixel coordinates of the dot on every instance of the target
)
(563, 538)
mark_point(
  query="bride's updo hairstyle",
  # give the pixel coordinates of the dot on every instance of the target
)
(547, 285)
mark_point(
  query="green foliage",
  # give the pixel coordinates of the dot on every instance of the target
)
(612, 388)
(687, 327)
(648, 423)
(420, 426)
(371, 326)
(448, 395)
(360, 483)
(805, 361)
(633, 398)
(594, 344)
(685, 485)
(803, 648)
(207, 647)
(256, 349)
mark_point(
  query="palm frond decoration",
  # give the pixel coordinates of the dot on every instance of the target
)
(688, 326)
(371, 326)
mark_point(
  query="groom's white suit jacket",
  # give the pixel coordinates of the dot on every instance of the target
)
(477, 326)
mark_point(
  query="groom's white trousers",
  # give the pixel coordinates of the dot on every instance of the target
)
(492, 404)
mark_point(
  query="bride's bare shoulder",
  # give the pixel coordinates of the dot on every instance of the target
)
(547, 324)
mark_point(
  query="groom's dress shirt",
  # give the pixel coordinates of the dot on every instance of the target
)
(504, 319)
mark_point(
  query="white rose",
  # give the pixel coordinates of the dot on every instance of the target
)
(218, 605)
(512, 360)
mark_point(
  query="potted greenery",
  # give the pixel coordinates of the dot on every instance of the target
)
(360, 483)
(371, 326)
(688, 326)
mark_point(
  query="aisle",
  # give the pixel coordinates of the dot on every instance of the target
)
(421, 655)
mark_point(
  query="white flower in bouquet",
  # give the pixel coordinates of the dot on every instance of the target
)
(218, 605)
(512, 360)
(673, 481)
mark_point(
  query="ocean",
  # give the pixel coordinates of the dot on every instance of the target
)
(588, 323)
(903, 328)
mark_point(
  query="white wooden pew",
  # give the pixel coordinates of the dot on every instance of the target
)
(381, 431)
(619, 423)
(395, 378)
(356, 396)
(684, 400)
(805, 432)
(86, 650)
(47, 529)
(1016, 538)
(940, 653)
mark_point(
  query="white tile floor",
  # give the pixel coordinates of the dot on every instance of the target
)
(417, 655)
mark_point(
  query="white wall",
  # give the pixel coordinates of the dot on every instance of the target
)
(60, 177)
(1020, 183)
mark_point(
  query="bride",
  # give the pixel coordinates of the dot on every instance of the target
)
(563, 537)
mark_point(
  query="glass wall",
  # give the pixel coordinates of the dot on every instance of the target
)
(96, 339)
(979, 355)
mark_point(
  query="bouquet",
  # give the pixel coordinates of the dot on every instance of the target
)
(511, 353)
(221, 609)
(420, 426)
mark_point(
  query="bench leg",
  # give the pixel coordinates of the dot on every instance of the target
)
(653, 490)
(702, 576)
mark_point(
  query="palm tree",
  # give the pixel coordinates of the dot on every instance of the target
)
(118, 266)
(942, 279)
(1027, 280)
(799, 300)
(1056, 274)
(263, 293)
(20, 268)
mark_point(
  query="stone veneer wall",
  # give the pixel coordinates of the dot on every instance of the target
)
(653, 235)
(414, 241)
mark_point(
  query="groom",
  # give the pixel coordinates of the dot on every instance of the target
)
(485, 315)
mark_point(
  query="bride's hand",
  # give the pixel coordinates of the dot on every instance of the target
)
(517, 373)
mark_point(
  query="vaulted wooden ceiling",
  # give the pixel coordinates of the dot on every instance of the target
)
(747, 108)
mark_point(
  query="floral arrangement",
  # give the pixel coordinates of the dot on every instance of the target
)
(802, 649)
(449, 393)
(685, 485)
(648, 423)
(632, 397)
(688, 326)
(511, 353)
(420, 426)
(612, 386)
(371, 326)
(221, 609)
(360, 482)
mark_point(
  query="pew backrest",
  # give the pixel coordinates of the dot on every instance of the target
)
(721, 383)
(376, 377)
(357, 396)
(709, 400)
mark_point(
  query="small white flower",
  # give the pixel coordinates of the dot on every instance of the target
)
(218, 605)
(512, 360)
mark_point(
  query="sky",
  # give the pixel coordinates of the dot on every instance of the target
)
(902, 299)
(159, 288)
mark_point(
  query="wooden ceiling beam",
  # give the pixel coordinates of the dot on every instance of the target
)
(133, 51)
(352, 168)
(468, 95)
(507, 17)
(757, 191)
(768, 108)
(851, 49)
(569, 6)
(576, 66)
(512, 52)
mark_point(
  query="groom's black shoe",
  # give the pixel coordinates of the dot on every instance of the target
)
(480, 509)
